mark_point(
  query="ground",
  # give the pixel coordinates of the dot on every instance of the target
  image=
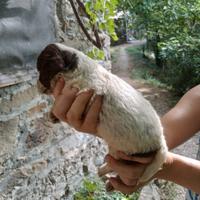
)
(162, 100)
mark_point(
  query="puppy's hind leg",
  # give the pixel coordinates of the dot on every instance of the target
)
(156, 164)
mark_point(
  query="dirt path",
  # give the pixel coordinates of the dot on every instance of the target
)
(161, 100)
(123, 67)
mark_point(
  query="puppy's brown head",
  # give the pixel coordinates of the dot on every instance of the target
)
(53, 60)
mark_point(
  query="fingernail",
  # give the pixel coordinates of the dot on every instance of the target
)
(61, 80)
(88, 91)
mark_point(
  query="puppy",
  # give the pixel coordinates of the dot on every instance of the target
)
(127, 121)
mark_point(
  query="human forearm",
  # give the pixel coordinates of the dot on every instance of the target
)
(177, 129)
(182, 121)
(183, 171)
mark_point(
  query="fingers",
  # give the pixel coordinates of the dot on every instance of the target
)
(75, 116)
(118, 185)
(70, 108)
(92, 116)
(139, 159)
(58, 87)
(129, 181)
(127, 170)
(63, 102)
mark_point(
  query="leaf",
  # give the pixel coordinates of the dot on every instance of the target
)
(102, 13)
(90, 186)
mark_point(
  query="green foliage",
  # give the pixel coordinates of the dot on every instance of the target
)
(172, 30)
(102, 12)
(145, 70)
(95, 190)
(183, 59)
(96, 54)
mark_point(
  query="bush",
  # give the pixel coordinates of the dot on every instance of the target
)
(94, 189)
(182, 63)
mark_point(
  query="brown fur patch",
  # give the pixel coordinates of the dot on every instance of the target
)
(53, 60)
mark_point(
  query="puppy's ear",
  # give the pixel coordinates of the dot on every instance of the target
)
(53, 60)
(49, 63)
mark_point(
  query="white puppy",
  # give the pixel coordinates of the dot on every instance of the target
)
(127, 122)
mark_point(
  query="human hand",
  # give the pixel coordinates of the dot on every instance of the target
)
(129, 170)
(71, 107)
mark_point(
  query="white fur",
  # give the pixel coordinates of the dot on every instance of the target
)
(128, 122)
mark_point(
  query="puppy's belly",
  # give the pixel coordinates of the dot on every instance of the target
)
(127, 142)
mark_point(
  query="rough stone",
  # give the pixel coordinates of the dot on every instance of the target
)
(149, 192)
(8, 136)
(38, 159)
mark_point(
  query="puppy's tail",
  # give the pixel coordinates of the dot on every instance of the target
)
(156, 164)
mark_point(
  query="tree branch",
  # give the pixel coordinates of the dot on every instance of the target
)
(81, 5)
(82, 26)
(94, 26)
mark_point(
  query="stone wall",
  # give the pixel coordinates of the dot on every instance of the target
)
(40, 160)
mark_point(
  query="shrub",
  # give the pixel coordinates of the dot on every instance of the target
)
(94, 189)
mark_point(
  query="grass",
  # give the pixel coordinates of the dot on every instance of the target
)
(135, 51)
(145, 69)
(94, 189)
(145, 74)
